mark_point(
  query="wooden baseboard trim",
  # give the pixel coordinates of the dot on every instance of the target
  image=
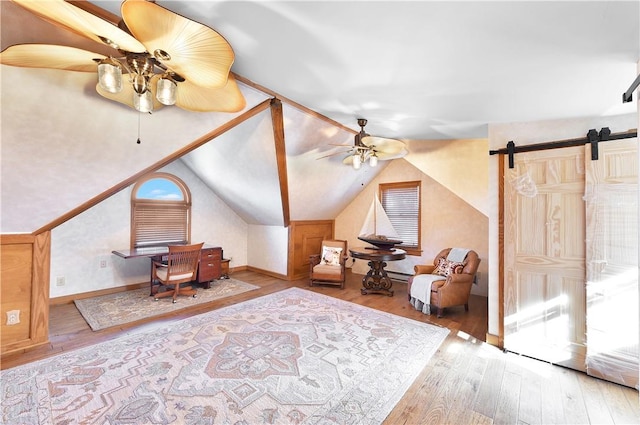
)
(494, 340)
(268, 273)
(21, 348)
(68, 299)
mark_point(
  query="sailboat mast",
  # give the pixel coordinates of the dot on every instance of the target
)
(375, 215)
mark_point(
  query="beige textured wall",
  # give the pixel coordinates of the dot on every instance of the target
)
(462, 166)
(78, 245)
(447, 221)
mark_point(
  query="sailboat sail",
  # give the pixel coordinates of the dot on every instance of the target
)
(377, 228)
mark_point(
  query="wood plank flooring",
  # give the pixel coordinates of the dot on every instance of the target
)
(466, 382)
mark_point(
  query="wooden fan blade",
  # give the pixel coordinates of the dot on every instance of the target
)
(50, 56)
(382, 145)
(82, 22)
(228, 98)
(195, 51)
(125, 96)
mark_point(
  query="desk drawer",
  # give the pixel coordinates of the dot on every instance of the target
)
(210, 267)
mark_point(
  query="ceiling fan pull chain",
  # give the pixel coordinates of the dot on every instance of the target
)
(138, 141)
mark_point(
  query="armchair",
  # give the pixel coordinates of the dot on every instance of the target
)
(446, 283)
(329, 266)
(181, 267)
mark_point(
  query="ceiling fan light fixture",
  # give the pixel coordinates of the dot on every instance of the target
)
(140, 83)
(373, 159)
(143, 102)
(158, 48)
(357, 161)
(166, 90)
(110, 75)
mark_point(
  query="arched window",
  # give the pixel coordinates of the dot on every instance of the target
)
(160, 211)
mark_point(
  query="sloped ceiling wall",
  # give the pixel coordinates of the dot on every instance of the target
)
(63, 145)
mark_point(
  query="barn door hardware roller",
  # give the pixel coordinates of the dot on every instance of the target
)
(593, 137)
(628, 95)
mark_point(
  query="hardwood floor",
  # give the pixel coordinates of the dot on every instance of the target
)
(466, 382)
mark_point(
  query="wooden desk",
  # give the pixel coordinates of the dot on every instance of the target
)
(209, 268)
(377, 281)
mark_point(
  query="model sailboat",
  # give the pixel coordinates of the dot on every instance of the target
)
(377, 228)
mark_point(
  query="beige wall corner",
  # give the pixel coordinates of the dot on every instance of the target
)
(462, 166)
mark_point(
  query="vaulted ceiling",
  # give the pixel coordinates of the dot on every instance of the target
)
(417, 70)
(432, 69)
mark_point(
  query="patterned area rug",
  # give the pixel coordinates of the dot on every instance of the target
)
(128, 306)
(292, 357)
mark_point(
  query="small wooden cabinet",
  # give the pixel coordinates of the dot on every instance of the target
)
(210, 266)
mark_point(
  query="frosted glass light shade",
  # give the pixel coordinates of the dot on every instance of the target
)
(143, 102)
(373, 161)
(110, 75)
(166, 91)
(357, 161)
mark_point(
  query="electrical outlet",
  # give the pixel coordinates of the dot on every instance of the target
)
(60, 281)
(13, 317)
(103, 264)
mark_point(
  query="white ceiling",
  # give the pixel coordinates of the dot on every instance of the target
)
(416, 70)
(433, 69)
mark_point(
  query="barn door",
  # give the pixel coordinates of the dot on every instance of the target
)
(612, 263)
(544, 256)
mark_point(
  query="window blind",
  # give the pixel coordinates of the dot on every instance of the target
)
(160, 223)
(401, 202)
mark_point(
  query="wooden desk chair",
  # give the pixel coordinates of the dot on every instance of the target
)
(181, 267)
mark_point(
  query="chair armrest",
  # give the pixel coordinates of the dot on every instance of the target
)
(424, 269)
(314, 259)
(155, 264)
(458, 278)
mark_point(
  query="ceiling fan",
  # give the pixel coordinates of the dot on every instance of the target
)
(371, 148)
(168, 58)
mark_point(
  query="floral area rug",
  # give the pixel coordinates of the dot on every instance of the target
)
(128, 306)
(292, 357)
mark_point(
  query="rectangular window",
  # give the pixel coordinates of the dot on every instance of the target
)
(401, 202)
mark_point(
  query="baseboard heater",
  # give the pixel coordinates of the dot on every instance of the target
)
(400, 277)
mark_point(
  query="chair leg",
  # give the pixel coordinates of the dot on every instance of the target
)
(466, 307)
(440, 312)
(184, 290)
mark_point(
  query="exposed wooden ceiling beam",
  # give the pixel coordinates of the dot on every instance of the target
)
(277, 120)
